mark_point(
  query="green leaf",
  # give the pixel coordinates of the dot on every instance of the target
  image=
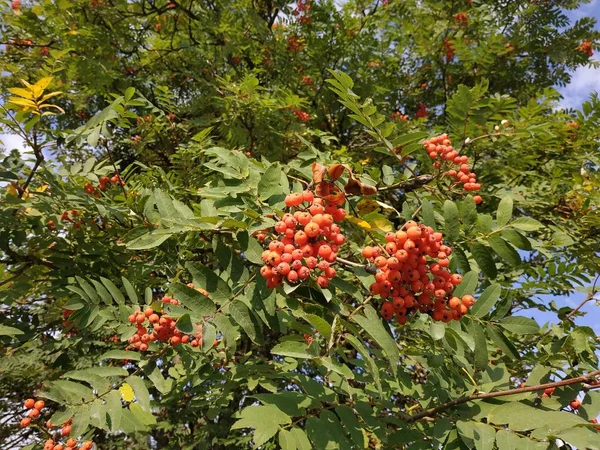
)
(462, 260)
(468, 285)
(243, 317)
(184, 324)
(486, 300)
(337, 367)
(114, 290)
(228, 331)
(320, 324)
(251, 248)
(209, 334)
(270, 182)
(114, 407)
(287, 440)
(451, 220)
(484, 259)
(351, 425)
(477, 435)
(121, 354)
(437, 330)
(481, 350)
(130, 291)
(102, 292)
(371, 366)
(302, 442)
(427, 213)
(9, 331)
(504, 250)
(265, 419)
(526, 224)
(519, 325)
(516, 239)
(372, 324)
(504, 212)
(205, 278)
(189, 297)
(468, 211)
(142, 396)
(502, 342)
(294, 349)
(148, 240)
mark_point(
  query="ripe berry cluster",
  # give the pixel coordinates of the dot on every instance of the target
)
(163, 327)
(308, 240)
(105, 182)
(404, 267)
(71, 444)
(440, 149)
(449, 47)
(422, 112)
(34, 412)
(301, 115)
(398, 116)
(586, 47)
(302, 11)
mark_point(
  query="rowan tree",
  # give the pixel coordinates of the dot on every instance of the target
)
(272, 224)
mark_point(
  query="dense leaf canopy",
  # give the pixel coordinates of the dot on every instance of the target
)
(148, 292)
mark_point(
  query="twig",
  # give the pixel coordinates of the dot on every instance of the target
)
(410, 184)
(481, 396)
(589, 297)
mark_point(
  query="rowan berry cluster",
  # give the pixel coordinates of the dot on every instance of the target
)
(449, 50)
(294, 44)
(35, 409)
(440, 149)
(158, 326)
(586, 47)
(412, 276)
(302, 11)
(462, 18)
(70, 444)
(301, 115)
(398, 116)
(422, 112)
(106, 182)
(307, 241)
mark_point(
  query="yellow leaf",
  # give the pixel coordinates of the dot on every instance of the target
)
(47, 105)
(367, 206)
(361, 223)
(50, 95)
(22, 102)
(126, 392)
(26, 83)
(11, 190)
(42, 188)
(381, 223)
(25, 93)
(39, 87)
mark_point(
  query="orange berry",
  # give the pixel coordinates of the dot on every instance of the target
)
(34, 413)
(39, 405)
(65, 431)
(387, 310)
(477, 199)
(25, 422)
(29, 403)
(575, 404)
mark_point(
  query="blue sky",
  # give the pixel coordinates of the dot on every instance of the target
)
(585, 81)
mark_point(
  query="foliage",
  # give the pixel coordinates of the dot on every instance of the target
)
(162, 167)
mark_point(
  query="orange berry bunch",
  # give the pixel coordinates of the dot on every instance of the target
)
(440, 149)
(34, 411)
(412, 276)
(163, 327)
(398, 116)
(421, 112)
(301, 115)
(586, 47)
(308, 241)
(71, 444)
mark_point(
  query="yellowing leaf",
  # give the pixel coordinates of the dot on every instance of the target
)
(361, 223)
(11, 190)
(126, 392)
(22, 102)
(25, 93)
(50, 95)
(42, 188)
(43, 83)
(381, 223)
(367, 206)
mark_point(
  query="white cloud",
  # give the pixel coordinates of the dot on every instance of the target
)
(585, 80)
(12, 141)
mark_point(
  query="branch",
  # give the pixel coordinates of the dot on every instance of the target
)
(589, 297)
(481, 396)
(409, 185)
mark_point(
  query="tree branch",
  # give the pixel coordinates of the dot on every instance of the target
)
(481, 396)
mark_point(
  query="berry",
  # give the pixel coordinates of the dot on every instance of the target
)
(575, 404)
(29, 403)
(34, 413)
(549, 391)
(25, 422)
(39, 405)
